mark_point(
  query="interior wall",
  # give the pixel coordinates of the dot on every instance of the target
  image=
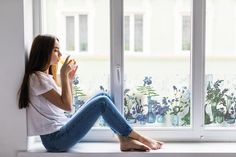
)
(13, 40)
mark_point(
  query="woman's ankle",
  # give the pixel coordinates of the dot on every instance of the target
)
(135, 135)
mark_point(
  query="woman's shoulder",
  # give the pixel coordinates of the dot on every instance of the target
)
(39, 76)
(40, 82)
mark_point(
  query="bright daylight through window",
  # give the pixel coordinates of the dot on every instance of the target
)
(157, 50)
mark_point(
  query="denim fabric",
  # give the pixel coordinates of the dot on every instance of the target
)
(82, 121)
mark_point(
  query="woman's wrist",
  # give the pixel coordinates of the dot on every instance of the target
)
(64, 78)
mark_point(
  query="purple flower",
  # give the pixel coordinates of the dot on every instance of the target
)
(147, 81)
(141, 117)
(76, 80)
(161, 109)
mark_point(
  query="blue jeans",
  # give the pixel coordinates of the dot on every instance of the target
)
(82, 121)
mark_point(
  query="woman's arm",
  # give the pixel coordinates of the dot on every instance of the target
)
(58, 100)
(64, 101)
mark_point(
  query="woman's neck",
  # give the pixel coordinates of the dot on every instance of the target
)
(47, 71)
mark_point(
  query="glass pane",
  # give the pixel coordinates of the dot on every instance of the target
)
(186, 33)
(220, 63)
(89, 27)
(138, 33)
(83, 32)
(70, 33)
(127, 33)
(157, 79)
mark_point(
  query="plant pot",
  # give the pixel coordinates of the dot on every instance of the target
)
(219, 119)
(141, 119)
(161, 118)
(175, 120)
(151, 117)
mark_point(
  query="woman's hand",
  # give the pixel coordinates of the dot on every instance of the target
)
(68, 69)
(72, 73)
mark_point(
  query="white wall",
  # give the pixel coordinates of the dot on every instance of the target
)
(12, 50)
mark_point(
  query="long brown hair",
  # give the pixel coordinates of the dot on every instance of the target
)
(39, 60)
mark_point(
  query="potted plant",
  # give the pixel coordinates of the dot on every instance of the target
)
(77, 94)
(148, 92)
(220, 112)
(133, 109)
(161, 109)
(231, 109)
(216, 99)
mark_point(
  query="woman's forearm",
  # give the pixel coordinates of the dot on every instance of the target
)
(66, 94)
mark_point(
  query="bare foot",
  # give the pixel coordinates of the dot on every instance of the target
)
(151, 143)
(129, 144)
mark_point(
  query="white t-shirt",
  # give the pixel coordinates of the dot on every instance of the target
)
(43, 117)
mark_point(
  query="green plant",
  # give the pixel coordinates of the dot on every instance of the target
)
(176, 109)
(217, 98)
(146, 88)
(77, 92)
(215, 94)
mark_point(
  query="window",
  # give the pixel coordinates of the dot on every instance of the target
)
(127, 33)
(138, 33)
(157, 81)
(70, 33)
(220, 95)
(82, 28)
(133, 33)
(83, 32)
(186, 32)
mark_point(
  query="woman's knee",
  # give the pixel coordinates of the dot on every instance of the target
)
(105, 94)
(103, 98)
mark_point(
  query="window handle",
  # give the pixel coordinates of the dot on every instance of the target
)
(118, 74)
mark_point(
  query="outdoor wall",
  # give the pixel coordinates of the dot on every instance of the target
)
(98, 21)
(12, 50)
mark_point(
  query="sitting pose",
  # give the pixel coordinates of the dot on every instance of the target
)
(46, 99)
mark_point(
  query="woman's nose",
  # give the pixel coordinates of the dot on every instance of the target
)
(59, 53)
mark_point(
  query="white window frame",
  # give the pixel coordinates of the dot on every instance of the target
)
(196, 132)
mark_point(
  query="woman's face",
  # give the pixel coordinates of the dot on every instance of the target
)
(56, 54)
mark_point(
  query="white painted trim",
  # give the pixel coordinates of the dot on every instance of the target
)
(197, 60)
(116, 38)
(108, 149)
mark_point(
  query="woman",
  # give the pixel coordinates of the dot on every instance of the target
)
(46, 102)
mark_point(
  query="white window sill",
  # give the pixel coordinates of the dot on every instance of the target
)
(108, 149)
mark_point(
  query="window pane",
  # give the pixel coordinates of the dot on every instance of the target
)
(220, 63)
(127, 33)
(77, 22)
(83, 32)
(138, 33)
(157, 81)
(186, 33)
(70, 33)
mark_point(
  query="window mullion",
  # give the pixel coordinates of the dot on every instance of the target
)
(116, 38)
(198, 65)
